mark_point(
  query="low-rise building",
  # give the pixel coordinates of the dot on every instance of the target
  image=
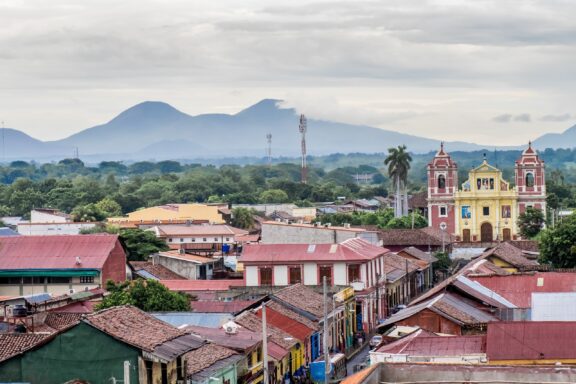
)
(117, 344)
(170, 214)
(210, 363)
(192, 267)
(274, 232)
(59, 264)
(205, 239)
(48, 222)
(354, 262)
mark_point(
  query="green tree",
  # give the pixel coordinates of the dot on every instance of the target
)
(140, 244)
(109, 207)
(273, 196)
(87, 213)
(398, 162)
(243, 218)
(558, 245)
(531, 222)
(148, 295)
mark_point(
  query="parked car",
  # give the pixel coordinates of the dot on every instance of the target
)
(375, 341)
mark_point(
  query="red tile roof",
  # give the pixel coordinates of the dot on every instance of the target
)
(201, 285)
(349, 250)
(12, 344)
(510, 254)
(134, 326)
(55, 252)
(253, 322)
(242, 341)
(302, 297)
(519, 288)
(205, 356)
(408, 237)
(531, 340)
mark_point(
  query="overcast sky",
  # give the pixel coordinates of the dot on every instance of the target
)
(490, 72)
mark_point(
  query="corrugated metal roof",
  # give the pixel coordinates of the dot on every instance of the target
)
(145, 274)
(275, 351)
(5, 231)
(171, 349)
(424, 343)
(349, 250)
(241, 341)
(178, 319)
(55, 252)
(217, 306)
(479, 291)
(38, 298)
(206, 373)
(531, 340)
(518, 289)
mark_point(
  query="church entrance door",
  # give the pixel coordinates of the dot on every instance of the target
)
(506, 235)
(466, 235)
(486, 232)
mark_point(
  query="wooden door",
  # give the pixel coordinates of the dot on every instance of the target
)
(466, 235)
(486, 232)
(506, 234)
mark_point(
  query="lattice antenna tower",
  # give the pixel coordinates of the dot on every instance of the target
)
(269, 148)
(302, 128)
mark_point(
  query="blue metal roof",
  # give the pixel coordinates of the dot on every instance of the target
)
(146, 274)
(38, 298)
(5, 231)
(201, 319)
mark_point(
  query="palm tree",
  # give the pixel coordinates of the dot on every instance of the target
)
(398, 162)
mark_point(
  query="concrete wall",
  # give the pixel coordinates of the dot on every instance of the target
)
(251, 276)
(48, 229)
(43, 217)
(273, 233)
(184, 268)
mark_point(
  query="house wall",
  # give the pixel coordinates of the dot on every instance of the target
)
(82, 352)
(200, 239)
(43, 217)
(340, 274)
(115, 265)
(432, 322)
(184, 268)
(310, 274)
(280, 275)
(55, 289)
(251, 276)
(273, 233)
(49, 229)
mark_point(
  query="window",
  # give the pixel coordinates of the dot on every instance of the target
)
(215, 239)
(149, 371)
(443, 211)
(325, 271)
(227, 239)
(193, 240)
(486, 211)
(58, 280)
(170, 240)
(441, 182)
(181, 240)
(265, 276)
(204, 239)
(529, 179)
(86, 279)
(294, 275)
(164, 368)
(353, 273)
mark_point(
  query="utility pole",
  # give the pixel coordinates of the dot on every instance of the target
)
(327, 368)
(264, 345)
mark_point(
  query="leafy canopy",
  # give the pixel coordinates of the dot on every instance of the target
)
(531, 222)
(148, 295)
(558, 245)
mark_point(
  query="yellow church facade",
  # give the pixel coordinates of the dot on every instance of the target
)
(486, 206)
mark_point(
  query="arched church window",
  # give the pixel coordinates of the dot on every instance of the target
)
(441, 182)
(529, 179)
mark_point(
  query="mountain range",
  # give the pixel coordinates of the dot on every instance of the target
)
(157, 131)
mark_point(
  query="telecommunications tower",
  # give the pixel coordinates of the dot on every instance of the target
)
(269, 148)
(302, 127)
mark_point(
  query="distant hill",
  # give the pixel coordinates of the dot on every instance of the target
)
(566, 139)
(155, 130)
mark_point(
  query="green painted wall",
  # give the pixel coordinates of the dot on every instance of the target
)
(82, 352)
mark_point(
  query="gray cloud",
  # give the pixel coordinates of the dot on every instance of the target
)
(557, 118)
(75, 64)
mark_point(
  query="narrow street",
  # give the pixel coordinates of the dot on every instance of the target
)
(359, 358)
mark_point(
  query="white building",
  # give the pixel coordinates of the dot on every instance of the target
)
(49, 221)
(274, 232)
(199, 238)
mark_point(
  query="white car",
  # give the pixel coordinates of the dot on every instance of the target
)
(375, 341)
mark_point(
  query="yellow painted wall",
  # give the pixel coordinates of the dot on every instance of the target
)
(184, 212)
(478, 198)
(502, 264)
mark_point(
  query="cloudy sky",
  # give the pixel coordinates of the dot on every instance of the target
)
(484, 71)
